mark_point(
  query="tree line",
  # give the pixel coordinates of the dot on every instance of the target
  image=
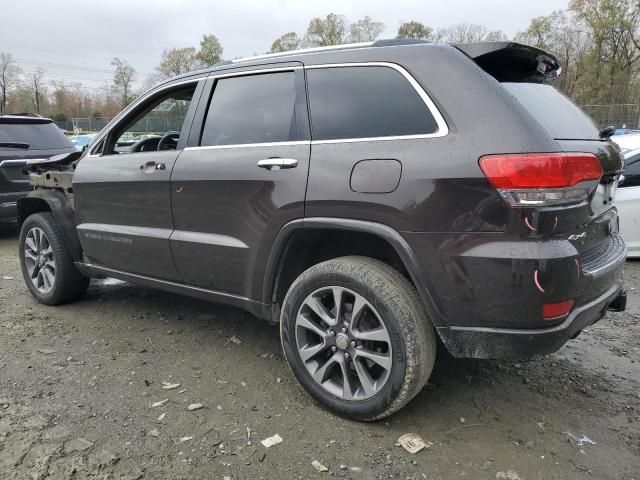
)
(596, 41)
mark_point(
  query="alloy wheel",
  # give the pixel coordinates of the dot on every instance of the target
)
(39, 260)
(343, 343)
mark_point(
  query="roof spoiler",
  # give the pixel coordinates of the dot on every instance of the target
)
(23, 119)
(513, 62)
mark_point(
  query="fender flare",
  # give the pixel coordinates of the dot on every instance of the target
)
(62, 211)
(390, 235)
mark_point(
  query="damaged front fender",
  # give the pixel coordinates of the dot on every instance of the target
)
(53, 192)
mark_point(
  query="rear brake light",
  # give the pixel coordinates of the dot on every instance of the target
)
(542, 179)
(555, 310)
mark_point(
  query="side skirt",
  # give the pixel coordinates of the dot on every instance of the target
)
(259, 309)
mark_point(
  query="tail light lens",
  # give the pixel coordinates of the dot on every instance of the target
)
(552, 311)
(543, 179)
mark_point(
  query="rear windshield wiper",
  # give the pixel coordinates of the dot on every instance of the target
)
(23, 146)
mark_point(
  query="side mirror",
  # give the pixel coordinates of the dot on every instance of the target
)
(620, 179)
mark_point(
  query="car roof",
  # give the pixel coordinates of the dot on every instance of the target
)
(23, 119)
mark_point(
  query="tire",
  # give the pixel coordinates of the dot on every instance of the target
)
(56, 279)
(391, 310)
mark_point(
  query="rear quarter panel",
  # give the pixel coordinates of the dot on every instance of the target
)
(443, 205)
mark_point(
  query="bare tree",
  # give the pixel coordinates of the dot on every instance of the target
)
(469, 33)
(210, 51)
(35, 87)
(415, 30)
(365, 30)
(178, 61)
(9, 76)
(322, 32)
(123, 77)
(285, 43)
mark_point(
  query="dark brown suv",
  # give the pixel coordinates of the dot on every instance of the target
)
(371, 199)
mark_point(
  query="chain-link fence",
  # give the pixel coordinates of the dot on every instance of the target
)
(88, 124)
(621, 115)
(147, 125)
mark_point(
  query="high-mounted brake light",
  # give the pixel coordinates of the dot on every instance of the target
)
(542, 179)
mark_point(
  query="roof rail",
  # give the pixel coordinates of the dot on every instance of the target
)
(393, 42)
(343, 46)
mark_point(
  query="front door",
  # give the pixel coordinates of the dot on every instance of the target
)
(122, 190)
(244, 180)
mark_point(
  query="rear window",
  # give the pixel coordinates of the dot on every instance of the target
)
(39, 136)
(365, 102)
(555, 112)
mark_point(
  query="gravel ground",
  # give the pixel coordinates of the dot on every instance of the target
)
(77, 383)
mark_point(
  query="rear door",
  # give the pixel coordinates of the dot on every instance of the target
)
(123, 197)
(243, 178)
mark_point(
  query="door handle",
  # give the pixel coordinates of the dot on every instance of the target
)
(278, 163)
(152, 166)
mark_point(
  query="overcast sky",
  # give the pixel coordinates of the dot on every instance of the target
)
(84, 35)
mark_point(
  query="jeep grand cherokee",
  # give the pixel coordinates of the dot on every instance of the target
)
(372, 199)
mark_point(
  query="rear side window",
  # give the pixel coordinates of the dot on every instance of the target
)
(251, 109)
(555, 112)
(365, 102)
(39, 136)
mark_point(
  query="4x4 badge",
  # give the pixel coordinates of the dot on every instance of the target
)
(581, 236)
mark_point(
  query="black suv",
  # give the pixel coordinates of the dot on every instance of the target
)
(24, 137)
(371, 199)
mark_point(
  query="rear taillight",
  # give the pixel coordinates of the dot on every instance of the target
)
(553, 311)
(543, 179)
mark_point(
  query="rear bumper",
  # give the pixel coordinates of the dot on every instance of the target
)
(479, 342)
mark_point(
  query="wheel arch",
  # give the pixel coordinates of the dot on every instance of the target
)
(283, 259)
(55, 202)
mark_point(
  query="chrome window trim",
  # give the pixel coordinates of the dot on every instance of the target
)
(243, 73)
(132, 106)
(443, 128)
(213, 75)
(248, 145)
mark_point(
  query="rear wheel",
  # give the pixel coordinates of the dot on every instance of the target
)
(356, 337)
(47, 267)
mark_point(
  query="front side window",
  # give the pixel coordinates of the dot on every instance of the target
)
(365, 102)
(251, 109)
(156, 126)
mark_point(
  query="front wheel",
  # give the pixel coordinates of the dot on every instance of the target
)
(47, 267)
(356, 336)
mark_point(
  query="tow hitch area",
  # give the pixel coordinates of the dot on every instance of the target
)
(619, 304)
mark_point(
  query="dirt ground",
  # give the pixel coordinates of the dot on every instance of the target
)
(77, 382)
